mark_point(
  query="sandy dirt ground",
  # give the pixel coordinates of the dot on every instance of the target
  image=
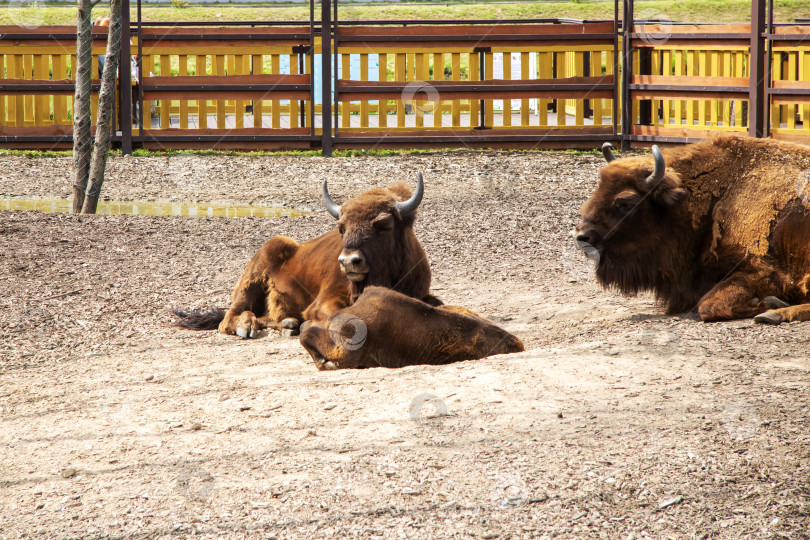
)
(617, 422)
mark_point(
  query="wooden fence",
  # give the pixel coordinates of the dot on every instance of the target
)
(540, 83)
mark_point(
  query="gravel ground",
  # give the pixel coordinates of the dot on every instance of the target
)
(617, 422)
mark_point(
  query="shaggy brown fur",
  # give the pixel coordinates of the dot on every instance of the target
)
(725, 232)
(387, 329)
(286, 282)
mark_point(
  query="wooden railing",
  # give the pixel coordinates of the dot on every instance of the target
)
(538, 84)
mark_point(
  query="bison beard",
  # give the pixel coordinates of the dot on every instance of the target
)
(286, 282)
(387, 329)
(718, 226)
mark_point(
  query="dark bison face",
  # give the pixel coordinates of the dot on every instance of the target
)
(628, 221)
(373, 227)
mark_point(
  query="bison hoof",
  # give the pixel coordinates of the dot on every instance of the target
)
(769, 317)
(328, 365)
(290, 323)
(289, 332)
(246, 333)
(775, 302)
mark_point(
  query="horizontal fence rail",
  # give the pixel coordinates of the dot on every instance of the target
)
(538, 83)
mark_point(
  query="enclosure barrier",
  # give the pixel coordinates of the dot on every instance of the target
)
(555, 83)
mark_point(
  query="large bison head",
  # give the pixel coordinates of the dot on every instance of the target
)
(377, 231)
(631, 222)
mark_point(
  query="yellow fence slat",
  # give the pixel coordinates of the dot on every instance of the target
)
(258, 69)
(804, 75)
(275, 66)
(345, 107)
(382, 105)
(506, 106)
(489, 108)
(2, 97)
(438, 75)
(475, 75)
(456, 103)
(560, 103)
(183, 113)
(201, 64)
(165, 104)
(294, 110)
(19, 73)
(524, 103)
(399, 75)
(219, 69)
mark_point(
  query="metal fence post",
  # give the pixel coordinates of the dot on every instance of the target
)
(125, 82)
(757, 121)
(326, 77)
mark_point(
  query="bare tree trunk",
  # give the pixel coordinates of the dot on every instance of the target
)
(82, 140)
(106, 105)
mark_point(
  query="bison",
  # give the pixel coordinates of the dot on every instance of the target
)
(717, 226)
(387, 329)
(286, 283)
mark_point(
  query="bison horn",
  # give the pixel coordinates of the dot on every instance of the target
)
(606, 150)
(658, 172)
(410, 206)
(331, 207)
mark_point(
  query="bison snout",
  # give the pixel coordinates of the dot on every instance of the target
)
(585, 241)
(353, 264)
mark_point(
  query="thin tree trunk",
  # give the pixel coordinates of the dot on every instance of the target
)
(106, 105)
(82, 141)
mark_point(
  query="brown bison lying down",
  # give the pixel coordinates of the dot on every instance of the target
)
(388, 329)
(286, 282)
(719, 226)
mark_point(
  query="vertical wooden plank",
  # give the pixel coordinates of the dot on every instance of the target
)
(19, 73)
(165, 104)
(258, 69)
(677, 109)
(419, 106)
(3, 97)
(726, 73)
(689, 58)
(666, 69)
(28, 71)
(793, 58)
(544, 60)
(475, 104)
(399, 75)
(182, 65)
(560, 102)
(456, 121)
(275, 66)
(714, 70)
(489, 112)
(219, 69)
(382, 75)
(506, 104)
(230, 69)
(702, 105)
(579, 107)
(438, 75)
(294, 110)
(41, 111)
(202, 104)
(596, 71)
(239, 105)
(804, 75)
(364, 104)
(59, 102)
(738, 72)
(345, 106)
(524, 103)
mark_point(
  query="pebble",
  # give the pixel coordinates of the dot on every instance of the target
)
(69, 472)
(329, 406)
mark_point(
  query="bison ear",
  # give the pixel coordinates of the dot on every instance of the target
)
(672, 197)
(383, 222)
